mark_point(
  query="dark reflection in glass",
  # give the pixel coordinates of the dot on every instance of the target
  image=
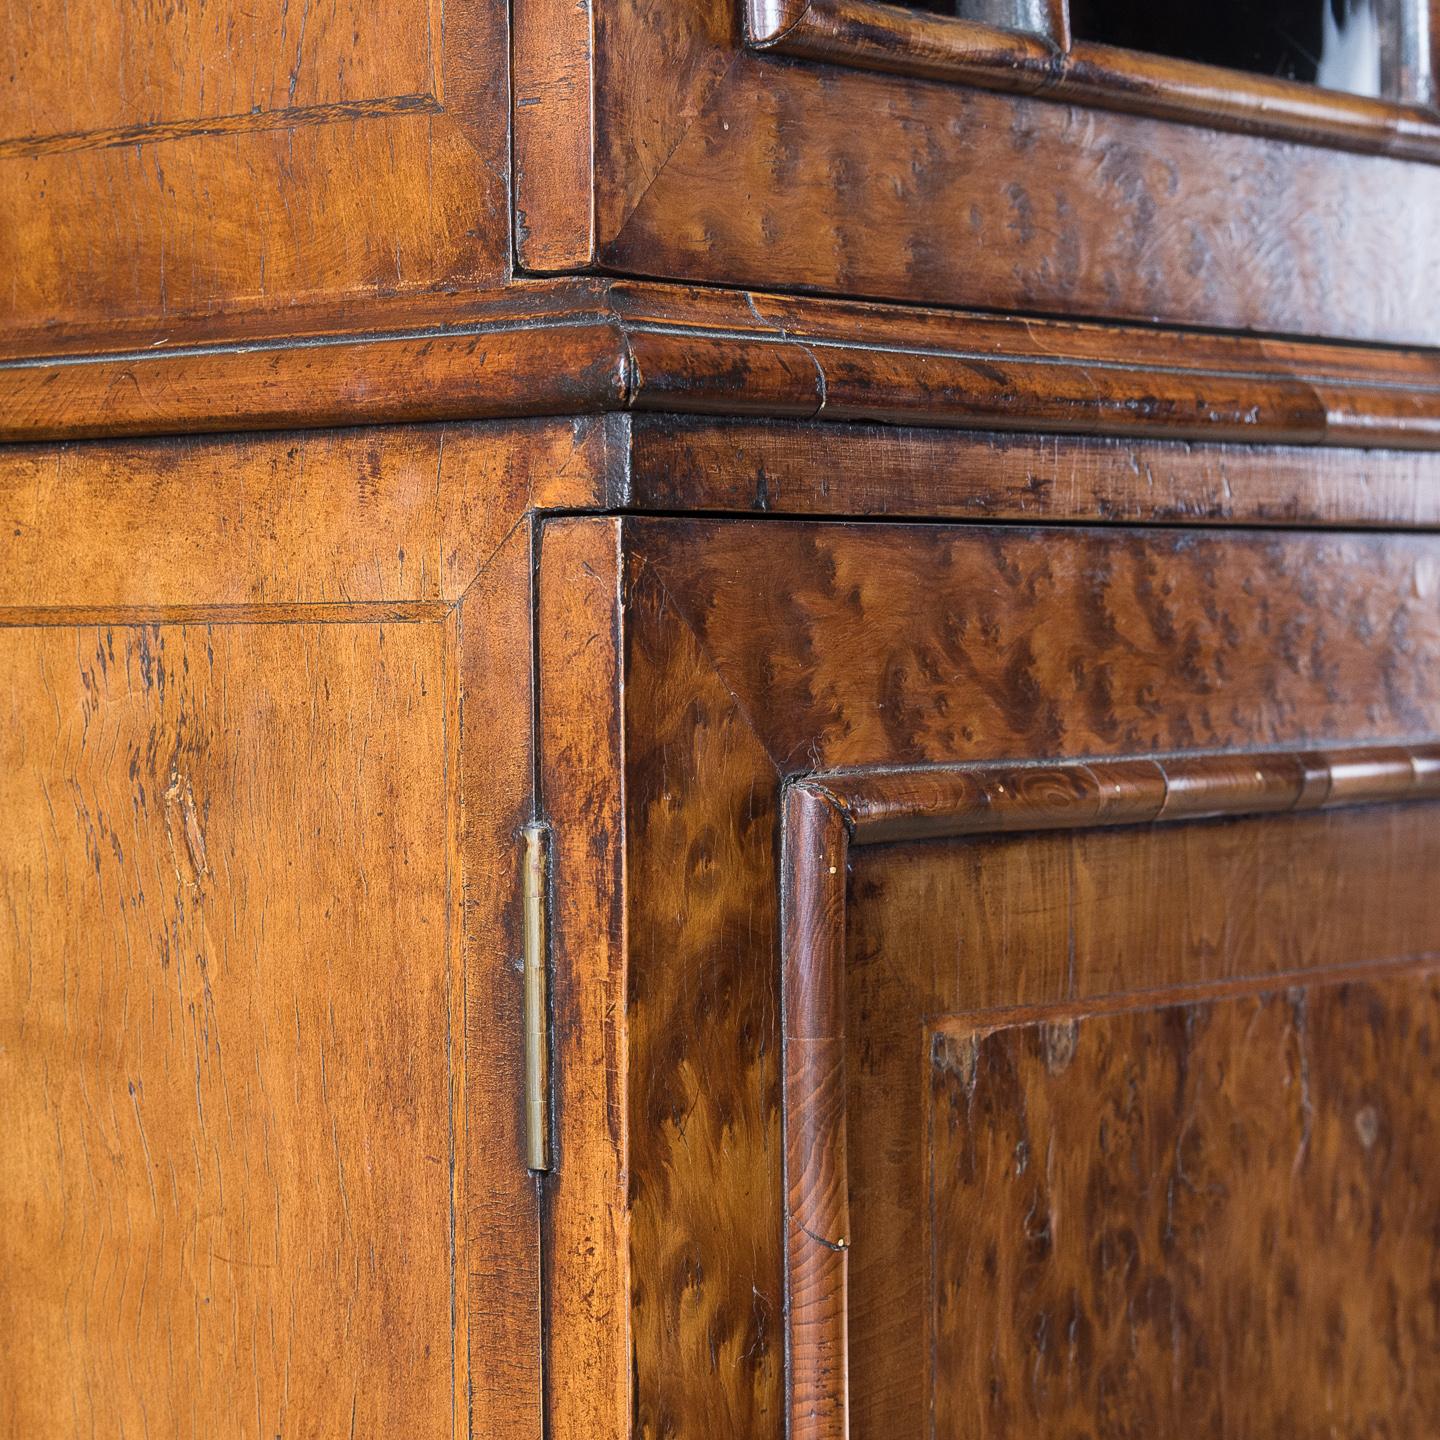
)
(1012, 14)
(1032, 15)
(1333, 43)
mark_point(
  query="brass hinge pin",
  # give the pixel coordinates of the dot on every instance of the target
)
(537, 999)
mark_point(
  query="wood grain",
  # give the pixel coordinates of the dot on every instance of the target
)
(953, 196)
(566, 346)
(1064, 918)
(553, 48)
(1045, 918)
(874, 361)
(658, 67)
(227, 1021)
(171, 162)
(188, 64)
(1214, 1216)
(991, 642)
(234, 171)
(818, 1233)
(586, 1220)
(939, 802)
(832, 645)
(280, 704)
(707, 1298)
(767, 468)
(487, 372)
(399, 516)
(917, 44)
(878, 1381)
(710, 161)
(504, 1393)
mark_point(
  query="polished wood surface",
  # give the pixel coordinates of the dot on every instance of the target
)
(389, 522)
(818, 1235)
(935, 802)
(499, 1385)
(424, 427)
(263, 1156)
(874, 1381)
(1105, 214)
(553, 49)
(864, 644)
(682, 670)
(760, 650)
(239, 172)
(583, 346)
(871, 35)
(1110, 910)
(735, 167)
(163, 161)
(588, 1275)
(701, 914)
(1212, 1216)
(750, 467)
(227, 1031)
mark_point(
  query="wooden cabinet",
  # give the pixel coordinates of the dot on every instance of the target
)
(721, 719)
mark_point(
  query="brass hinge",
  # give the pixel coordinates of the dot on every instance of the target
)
(536, 885)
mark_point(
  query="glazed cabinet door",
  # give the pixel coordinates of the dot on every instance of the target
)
(1030, 962)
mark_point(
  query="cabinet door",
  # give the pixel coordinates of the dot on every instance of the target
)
(1026, 951)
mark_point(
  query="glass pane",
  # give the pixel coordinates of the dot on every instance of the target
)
(991, 12)
(1008, 14)
(1333, 43)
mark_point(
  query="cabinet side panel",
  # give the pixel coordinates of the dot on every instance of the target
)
(226, 1031)
(163, 163)
(391, 516)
